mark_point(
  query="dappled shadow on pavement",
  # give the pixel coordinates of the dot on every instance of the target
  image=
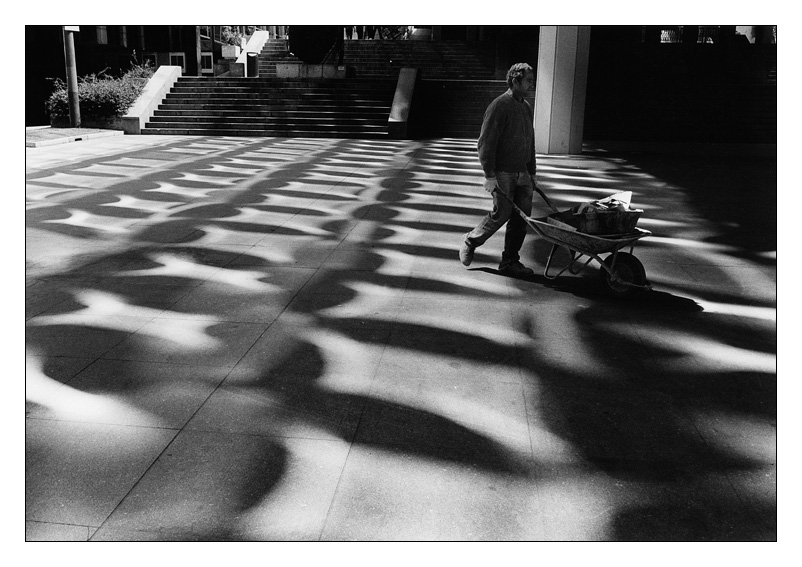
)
(308, 291)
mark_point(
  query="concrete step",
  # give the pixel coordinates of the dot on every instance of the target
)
(266, 132)
(352, 97)
(345, 125)
(268, 84)
(276, 111)
(232, 109)
(282, 116)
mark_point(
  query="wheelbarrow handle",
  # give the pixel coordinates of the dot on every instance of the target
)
(546, 199)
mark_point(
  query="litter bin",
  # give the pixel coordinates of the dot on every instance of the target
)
(252, 64)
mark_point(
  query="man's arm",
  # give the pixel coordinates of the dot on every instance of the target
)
(488, 140)
(531, 165)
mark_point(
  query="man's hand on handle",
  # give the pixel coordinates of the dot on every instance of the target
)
(490, 185)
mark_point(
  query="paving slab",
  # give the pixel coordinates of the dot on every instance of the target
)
(242, 487)
(390, 494)
(163, 395)
(77, 473)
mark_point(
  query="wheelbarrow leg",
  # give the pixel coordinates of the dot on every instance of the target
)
(569, 267)
(548, 263)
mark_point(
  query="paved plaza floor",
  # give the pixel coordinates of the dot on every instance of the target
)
(274, 339)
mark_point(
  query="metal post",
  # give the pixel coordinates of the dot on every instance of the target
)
(72, 78)
(198, 51)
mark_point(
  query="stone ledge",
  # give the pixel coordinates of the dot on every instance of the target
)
(53, 136)
(308, 71)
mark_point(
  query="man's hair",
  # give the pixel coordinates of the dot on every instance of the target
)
(517, 72)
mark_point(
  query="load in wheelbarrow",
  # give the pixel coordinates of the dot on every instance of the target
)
(588, 234)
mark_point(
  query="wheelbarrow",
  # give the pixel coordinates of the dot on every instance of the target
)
(621, 273)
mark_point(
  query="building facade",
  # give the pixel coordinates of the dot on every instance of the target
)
(671, 83)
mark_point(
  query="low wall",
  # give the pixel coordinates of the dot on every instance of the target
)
(402, 101)
(305, 70)
(229, 68)
(109, 124)
(158, 86)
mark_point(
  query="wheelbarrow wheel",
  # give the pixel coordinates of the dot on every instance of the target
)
(629, 269)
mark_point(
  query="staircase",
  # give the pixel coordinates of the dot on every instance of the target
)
(357, 107)
(274, 52)
(274, 107)
(457, 82)
(448, 108)
(435, 59)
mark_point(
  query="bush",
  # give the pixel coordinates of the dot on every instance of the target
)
(101, 98)
(231, 35)
(137, 71)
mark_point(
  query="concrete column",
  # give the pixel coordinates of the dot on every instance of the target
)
(562, 73)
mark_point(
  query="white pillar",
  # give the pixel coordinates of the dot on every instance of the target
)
(562, 73)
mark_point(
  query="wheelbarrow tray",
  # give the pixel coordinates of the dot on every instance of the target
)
(585, 248)
(582, 242)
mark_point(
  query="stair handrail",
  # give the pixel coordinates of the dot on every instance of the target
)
(255, 44)
(151, 97)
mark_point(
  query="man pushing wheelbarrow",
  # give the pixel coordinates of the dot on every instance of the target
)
(507, 155)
